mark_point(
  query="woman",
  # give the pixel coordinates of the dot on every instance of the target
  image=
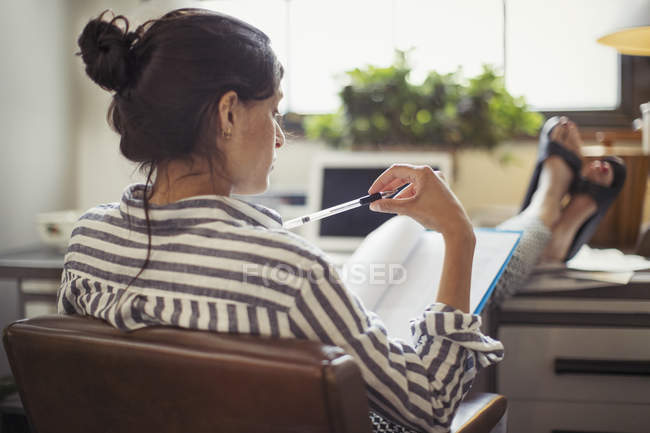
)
(195, 103)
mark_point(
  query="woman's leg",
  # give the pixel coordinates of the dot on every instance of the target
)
(538, 219)
(548, 227)
(534, 240)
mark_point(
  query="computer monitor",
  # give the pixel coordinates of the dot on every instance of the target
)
(337, 177)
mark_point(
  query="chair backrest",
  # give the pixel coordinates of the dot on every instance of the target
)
(77, 374)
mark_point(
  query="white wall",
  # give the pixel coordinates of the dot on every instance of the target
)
(102, 171)
(37, 163)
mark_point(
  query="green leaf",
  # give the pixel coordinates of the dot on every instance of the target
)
(380, 106)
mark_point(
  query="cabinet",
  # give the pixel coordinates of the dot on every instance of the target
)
(576, 361)
(37, 273)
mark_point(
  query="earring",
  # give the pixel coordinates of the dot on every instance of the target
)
(227, 134)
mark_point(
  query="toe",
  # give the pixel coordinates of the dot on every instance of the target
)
(559, 132)
(567, 134)
(574, 135)
(600, 173)
(564, 133)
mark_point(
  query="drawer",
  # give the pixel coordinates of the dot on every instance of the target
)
(548, 417)
(575, 364)
(40, 286)
(39, 308)
(38, 296)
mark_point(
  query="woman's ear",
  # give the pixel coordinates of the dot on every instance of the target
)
(226, 112)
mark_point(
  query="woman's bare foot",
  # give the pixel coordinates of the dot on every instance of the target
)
(556, 176)
(580, 208)
(567, 134)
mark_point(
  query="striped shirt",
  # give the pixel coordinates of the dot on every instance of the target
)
(221, 264)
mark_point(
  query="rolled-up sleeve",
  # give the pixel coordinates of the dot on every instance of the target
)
(420, 384)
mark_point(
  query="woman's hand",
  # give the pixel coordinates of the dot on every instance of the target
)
(427, 199)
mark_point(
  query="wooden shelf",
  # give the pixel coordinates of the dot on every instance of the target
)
(614, 134)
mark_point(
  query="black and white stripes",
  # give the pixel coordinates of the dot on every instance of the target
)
(225, 265)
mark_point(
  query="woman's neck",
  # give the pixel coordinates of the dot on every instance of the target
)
(176, 180)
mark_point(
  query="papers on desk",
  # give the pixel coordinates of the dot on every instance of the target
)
(410, 261)
(607, 260)
(590, 268)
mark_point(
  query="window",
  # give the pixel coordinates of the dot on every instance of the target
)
(446, 35)
(323, 39)
(329, 37)
(552, 58)
(546, 48)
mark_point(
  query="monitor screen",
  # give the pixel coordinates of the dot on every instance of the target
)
(345, 184)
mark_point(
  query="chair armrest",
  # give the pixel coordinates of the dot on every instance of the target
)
(479, 413)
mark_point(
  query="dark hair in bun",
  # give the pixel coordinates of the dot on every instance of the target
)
(105, 49)
(169, 75)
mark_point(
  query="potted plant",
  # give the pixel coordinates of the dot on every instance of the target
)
(381, 107)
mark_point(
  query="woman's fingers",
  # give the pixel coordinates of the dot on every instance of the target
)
(427, 198)
(395, 204)
(391, 205)
(397, 173)
(394, 184)
(407, 192)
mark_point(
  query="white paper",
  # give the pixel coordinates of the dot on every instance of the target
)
(405, 301)
(408, 299)
(387, 246)
(607, 260)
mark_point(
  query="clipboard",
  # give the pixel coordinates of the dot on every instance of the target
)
(404, 245)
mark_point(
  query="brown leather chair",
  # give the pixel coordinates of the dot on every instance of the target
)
(77, 374)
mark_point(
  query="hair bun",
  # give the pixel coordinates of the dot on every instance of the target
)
(105, 49)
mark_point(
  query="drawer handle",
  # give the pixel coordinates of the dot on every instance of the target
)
(604, 367)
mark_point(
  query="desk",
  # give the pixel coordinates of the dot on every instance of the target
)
(37, 272)
(576, 361)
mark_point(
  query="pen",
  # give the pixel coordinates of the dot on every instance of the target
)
(352, 204)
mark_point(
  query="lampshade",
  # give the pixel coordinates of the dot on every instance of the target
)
(634, 41)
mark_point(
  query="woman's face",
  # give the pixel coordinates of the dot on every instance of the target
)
(251, 150)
